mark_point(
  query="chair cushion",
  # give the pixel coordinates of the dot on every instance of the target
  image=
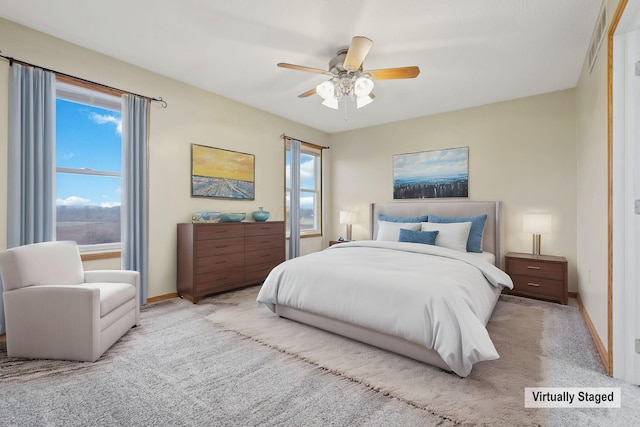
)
(112, 295)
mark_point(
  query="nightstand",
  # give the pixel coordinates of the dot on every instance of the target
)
(542, 276)
(335, 242)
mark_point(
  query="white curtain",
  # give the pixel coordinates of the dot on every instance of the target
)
(294, 202)
(134, 209)
(30, 159)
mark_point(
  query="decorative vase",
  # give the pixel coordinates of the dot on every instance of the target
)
(260, 215)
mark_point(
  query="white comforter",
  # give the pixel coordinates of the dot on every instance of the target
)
(433, 296)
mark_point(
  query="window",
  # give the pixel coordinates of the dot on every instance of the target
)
(88, 167)
(310, 189)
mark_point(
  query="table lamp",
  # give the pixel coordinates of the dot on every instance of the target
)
(536, 224)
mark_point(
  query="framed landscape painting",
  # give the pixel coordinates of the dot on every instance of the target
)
(222, 174)
(431, 174)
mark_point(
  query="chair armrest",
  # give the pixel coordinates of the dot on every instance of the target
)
(64, 318)
(116, 276)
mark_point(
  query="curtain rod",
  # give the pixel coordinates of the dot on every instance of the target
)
(283, 136)
(12, 60)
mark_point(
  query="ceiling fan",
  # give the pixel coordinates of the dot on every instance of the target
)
(348, 79)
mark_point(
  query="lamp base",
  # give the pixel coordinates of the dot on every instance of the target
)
(536, 245)
(349, 232)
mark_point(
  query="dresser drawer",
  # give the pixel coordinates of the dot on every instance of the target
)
(258, 272)
(545, 288)
(207, 248)
(255, 243)
(273, 256)
(218, 231)
(219, 263)
(218, 280)
(535, 268)
(264, 228)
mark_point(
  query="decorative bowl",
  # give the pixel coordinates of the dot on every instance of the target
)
(232, 217)
(204, 216)
(260, 215)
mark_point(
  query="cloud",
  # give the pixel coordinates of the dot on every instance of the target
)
(109, 204)
(102, 119)
(73, 201)
(81, 201)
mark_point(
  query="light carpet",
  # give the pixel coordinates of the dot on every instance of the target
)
(176, 369)
(540, 344)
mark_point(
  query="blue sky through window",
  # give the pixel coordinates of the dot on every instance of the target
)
(87, 137)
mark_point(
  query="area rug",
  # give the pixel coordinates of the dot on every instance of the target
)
(540, 344)
(175, 369)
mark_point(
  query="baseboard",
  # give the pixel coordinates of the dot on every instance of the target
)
(602, 351)
(162, 297)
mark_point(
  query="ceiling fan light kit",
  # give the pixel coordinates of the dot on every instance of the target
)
(348, 80)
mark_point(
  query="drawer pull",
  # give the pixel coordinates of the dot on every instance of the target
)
(534, 284)
(533, 267)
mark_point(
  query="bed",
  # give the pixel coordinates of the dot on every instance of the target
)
(430, 302)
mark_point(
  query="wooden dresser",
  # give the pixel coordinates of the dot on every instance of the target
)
(542, 276)
(217, 257)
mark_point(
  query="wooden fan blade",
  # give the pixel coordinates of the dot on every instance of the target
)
(394, 73)
(358, 50)
(302, 68)
(307, 93)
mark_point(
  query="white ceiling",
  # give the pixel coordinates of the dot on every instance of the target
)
(470, 52)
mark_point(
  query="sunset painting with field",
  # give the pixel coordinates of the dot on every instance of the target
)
(222, 173)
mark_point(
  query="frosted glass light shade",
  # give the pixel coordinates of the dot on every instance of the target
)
(363, 101)
(331, 103)
(326, 90)
(362, 86)
(536, 223)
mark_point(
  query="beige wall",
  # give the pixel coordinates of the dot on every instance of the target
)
(193, 116)
(521, 152)
(592, 191)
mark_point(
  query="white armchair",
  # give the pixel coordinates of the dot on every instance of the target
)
(56, 310)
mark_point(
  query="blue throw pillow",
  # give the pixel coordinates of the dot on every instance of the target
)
(474, 242)
(425, 237)
(393, 218)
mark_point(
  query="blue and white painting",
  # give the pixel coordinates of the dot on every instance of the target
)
(431, 174)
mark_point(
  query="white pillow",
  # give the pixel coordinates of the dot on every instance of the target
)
(451, 235)
(389, 231)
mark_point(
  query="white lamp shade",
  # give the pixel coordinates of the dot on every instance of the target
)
(326, 90)
(363, 101)
(331, 103)
(347, 217)
(536, 223)
(362, 86)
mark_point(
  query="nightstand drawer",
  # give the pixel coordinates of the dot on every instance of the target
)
(535, 268)
(545, 288)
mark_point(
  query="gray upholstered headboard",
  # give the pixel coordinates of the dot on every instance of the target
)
(491, 239)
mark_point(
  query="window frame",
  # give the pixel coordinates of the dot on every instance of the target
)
(83, 92)
(309, 149)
